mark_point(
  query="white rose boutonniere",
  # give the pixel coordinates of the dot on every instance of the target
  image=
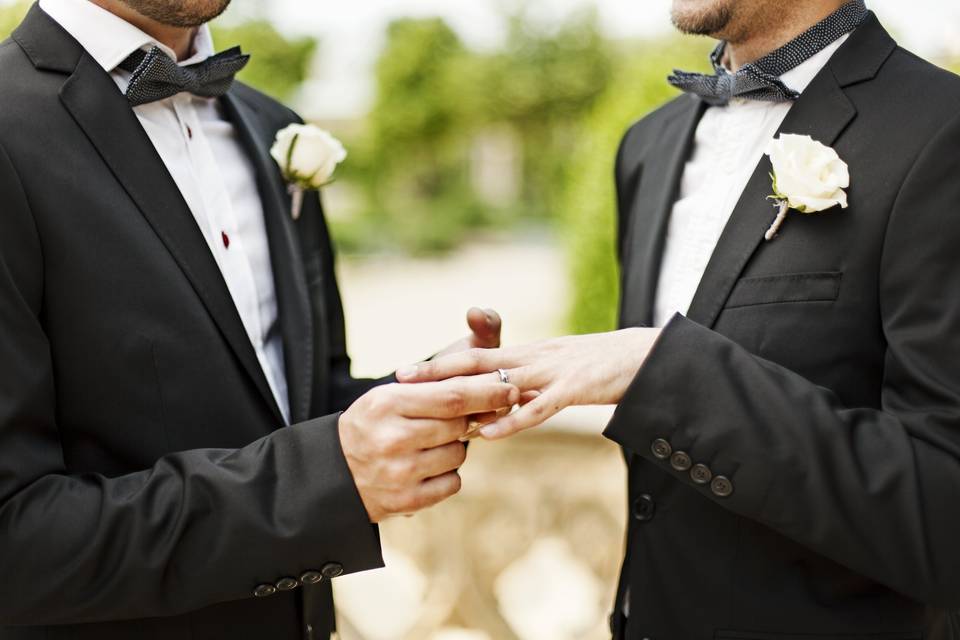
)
(808, 177)
(308, 157)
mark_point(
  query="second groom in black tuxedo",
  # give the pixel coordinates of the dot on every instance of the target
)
(793, 433)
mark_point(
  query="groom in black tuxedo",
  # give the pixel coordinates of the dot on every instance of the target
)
(793, 433)
(172, 351)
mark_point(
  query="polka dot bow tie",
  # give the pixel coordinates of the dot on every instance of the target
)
(156, 77)
(760, 80)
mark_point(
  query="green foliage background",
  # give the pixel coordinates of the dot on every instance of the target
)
(589, 203)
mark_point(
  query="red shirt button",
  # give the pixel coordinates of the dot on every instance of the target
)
(226, 239)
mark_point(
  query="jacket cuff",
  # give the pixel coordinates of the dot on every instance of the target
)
(672, 416)
(356, 541)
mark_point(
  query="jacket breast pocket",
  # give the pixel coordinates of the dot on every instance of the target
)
(785, 288)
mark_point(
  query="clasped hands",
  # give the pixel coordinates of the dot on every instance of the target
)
(403, 442)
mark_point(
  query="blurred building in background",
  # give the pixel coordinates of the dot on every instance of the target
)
(482, 175)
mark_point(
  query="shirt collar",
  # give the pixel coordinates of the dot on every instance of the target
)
(109, 39)
(800, 77)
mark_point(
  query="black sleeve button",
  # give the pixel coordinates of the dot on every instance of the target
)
(287, 584)
(661, 449)
(701, 474)
(332, 570)
(311, 577)
(680, 461)
(722, 487)
(264, 590)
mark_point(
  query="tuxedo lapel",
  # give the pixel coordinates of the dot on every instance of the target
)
(103, 113)
(293, 297)
(649, 215)
(822, 112)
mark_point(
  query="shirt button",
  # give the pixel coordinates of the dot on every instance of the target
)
(226, 239)
(287, 584)
(661, 449)
(722, 487)
(701, 474)
(644, 508)
(189, 133)
(332, 570)
(264, 590)
(311, 577)
(680, 461)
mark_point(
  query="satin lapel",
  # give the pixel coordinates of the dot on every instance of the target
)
(110, 124)
(293, 297)
(650, 215)
(822, 112)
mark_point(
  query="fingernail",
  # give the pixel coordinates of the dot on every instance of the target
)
(514, 396)
(490, 431)
(407, 372)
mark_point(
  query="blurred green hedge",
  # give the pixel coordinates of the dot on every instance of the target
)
(589, 205)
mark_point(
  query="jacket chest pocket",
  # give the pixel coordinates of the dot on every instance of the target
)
(785, 288)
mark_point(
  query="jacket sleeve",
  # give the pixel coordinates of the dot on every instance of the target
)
(198, 528)
(874, 490)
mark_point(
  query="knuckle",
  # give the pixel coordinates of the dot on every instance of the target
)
(378, 399)
(400, 470)
(426, 370)
(391, 441)
(455, 402)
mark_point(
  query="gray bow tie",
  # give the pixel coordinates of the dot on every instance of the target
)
(156, 76)
(760, 80)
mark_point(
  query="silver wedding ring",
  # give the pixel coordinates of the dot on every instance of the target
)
(504, 378)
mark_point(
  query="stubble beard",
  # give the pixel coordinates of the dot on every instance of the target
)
(712, 19)
(179, 13)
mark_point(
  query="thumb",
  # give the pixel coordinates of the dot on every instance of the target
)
(485, 325)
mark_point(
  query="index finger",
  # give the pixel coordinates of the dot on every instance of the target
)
(456, 398)
(466, 363)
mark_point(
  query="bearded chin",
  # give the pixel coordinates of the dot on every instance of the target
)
(705, 21)
(179, 13)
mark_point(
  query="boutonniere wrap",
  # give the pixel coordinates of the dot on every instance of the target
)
(308, 157)
(808, 177)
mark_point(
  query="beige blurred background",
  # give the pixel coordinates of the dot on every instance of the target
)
(530, 548)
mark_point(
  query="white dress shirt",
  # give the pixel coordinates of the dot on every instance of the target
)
(729, 143)
(203, 154)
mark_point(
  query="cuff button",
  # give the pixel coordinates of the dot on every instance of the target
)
(661, 449)
(722, 487)
(680, 461)
(264, 590)
(311, 577)
(287, 584)
(332, 570)
(701, 474)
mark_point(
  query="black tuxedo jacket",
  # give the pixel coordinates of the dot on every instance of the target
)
(815, 379)
(146, 485)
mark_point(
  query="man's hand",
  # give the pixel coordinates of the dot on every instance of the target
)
(552, 374)
(485, 326)
(401, 441)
